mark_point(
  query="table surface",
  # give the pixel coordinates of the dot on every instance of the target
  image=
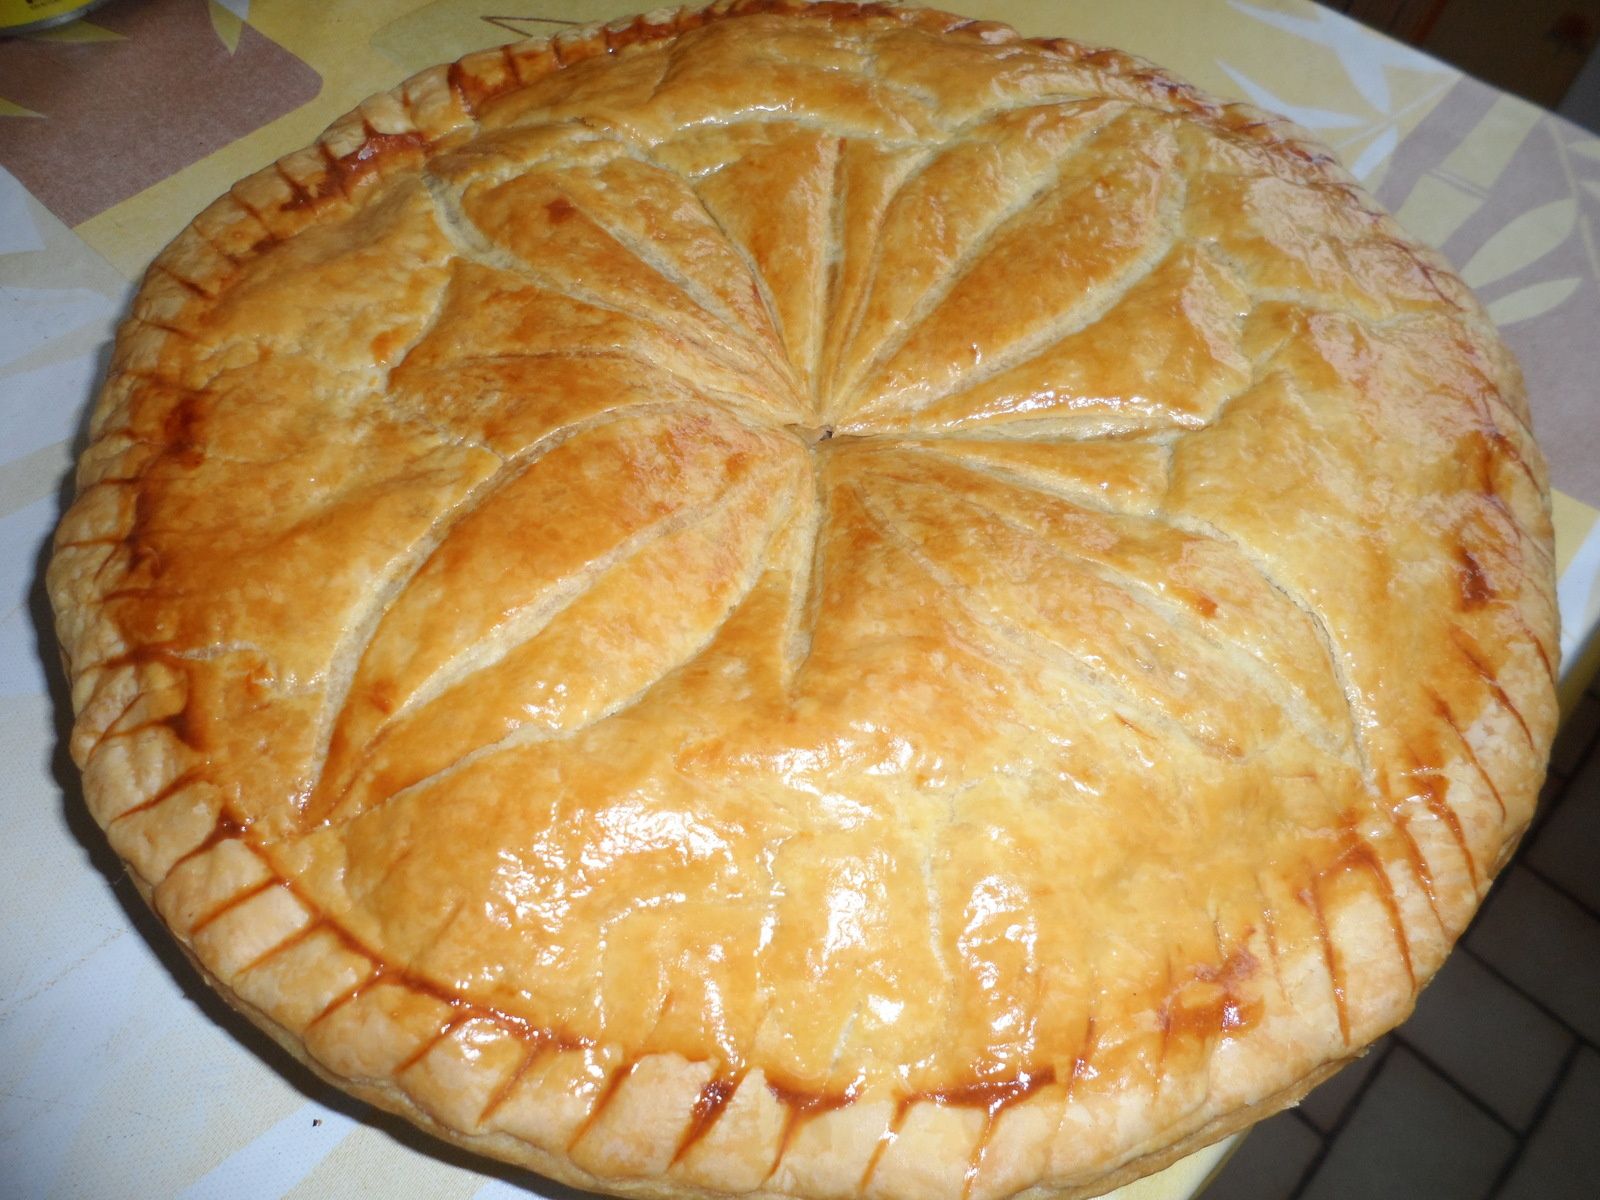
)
(114, 1061)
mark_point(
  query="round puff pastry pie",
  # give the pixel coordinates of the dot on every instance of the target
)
(812, 602)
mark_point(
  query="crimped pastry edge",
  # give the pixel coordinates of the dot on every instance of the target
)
(195, 268)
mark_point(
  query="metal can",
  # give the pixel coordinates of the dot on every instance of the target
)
(29, 16)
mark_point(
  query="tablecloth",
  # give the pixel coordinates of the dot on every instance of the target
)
(120, 1075)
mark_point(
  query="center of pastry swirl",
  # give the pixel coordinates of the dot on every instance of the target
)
(812, 435)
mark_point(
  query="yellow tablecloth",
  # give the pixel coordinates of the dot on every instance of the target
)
(119, 1075)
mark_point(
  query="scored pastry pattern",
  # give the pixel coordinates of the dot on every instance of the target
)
(996, 604)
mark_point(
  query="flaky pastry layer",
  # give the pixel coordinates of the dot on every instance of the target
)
(811, 601)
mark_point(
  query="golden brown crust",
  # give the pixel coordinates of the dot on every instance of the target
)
(811, 600)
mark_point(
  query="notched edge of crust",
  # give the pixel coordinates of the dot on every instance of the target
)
(387, 133)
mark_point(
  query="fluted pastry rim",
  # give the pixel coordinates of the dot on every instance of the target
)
(433, 113)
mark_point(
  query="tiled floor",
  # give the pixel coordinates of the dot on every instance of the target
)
(1492, 1090)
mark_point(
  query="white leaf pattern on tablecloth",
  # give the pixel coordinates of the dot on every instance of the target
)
(1522, 242)
(1375, 155)
(18, 234)
(1363, 57)
(1534, 300)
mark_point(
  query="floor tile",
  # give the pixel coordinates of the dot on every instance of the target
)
(1412, 1137)
(1488, 1038)
(1578, 731)
(1567, 845)
(1324, 1106)
(1562, 1159)
(1544, 944)
(1269, 1163)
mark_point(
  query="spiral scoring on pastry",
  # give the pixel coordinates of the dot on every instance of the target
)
(871, 595)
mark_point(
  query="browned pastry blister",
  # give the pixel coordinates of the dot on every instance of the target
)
(811, 601)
